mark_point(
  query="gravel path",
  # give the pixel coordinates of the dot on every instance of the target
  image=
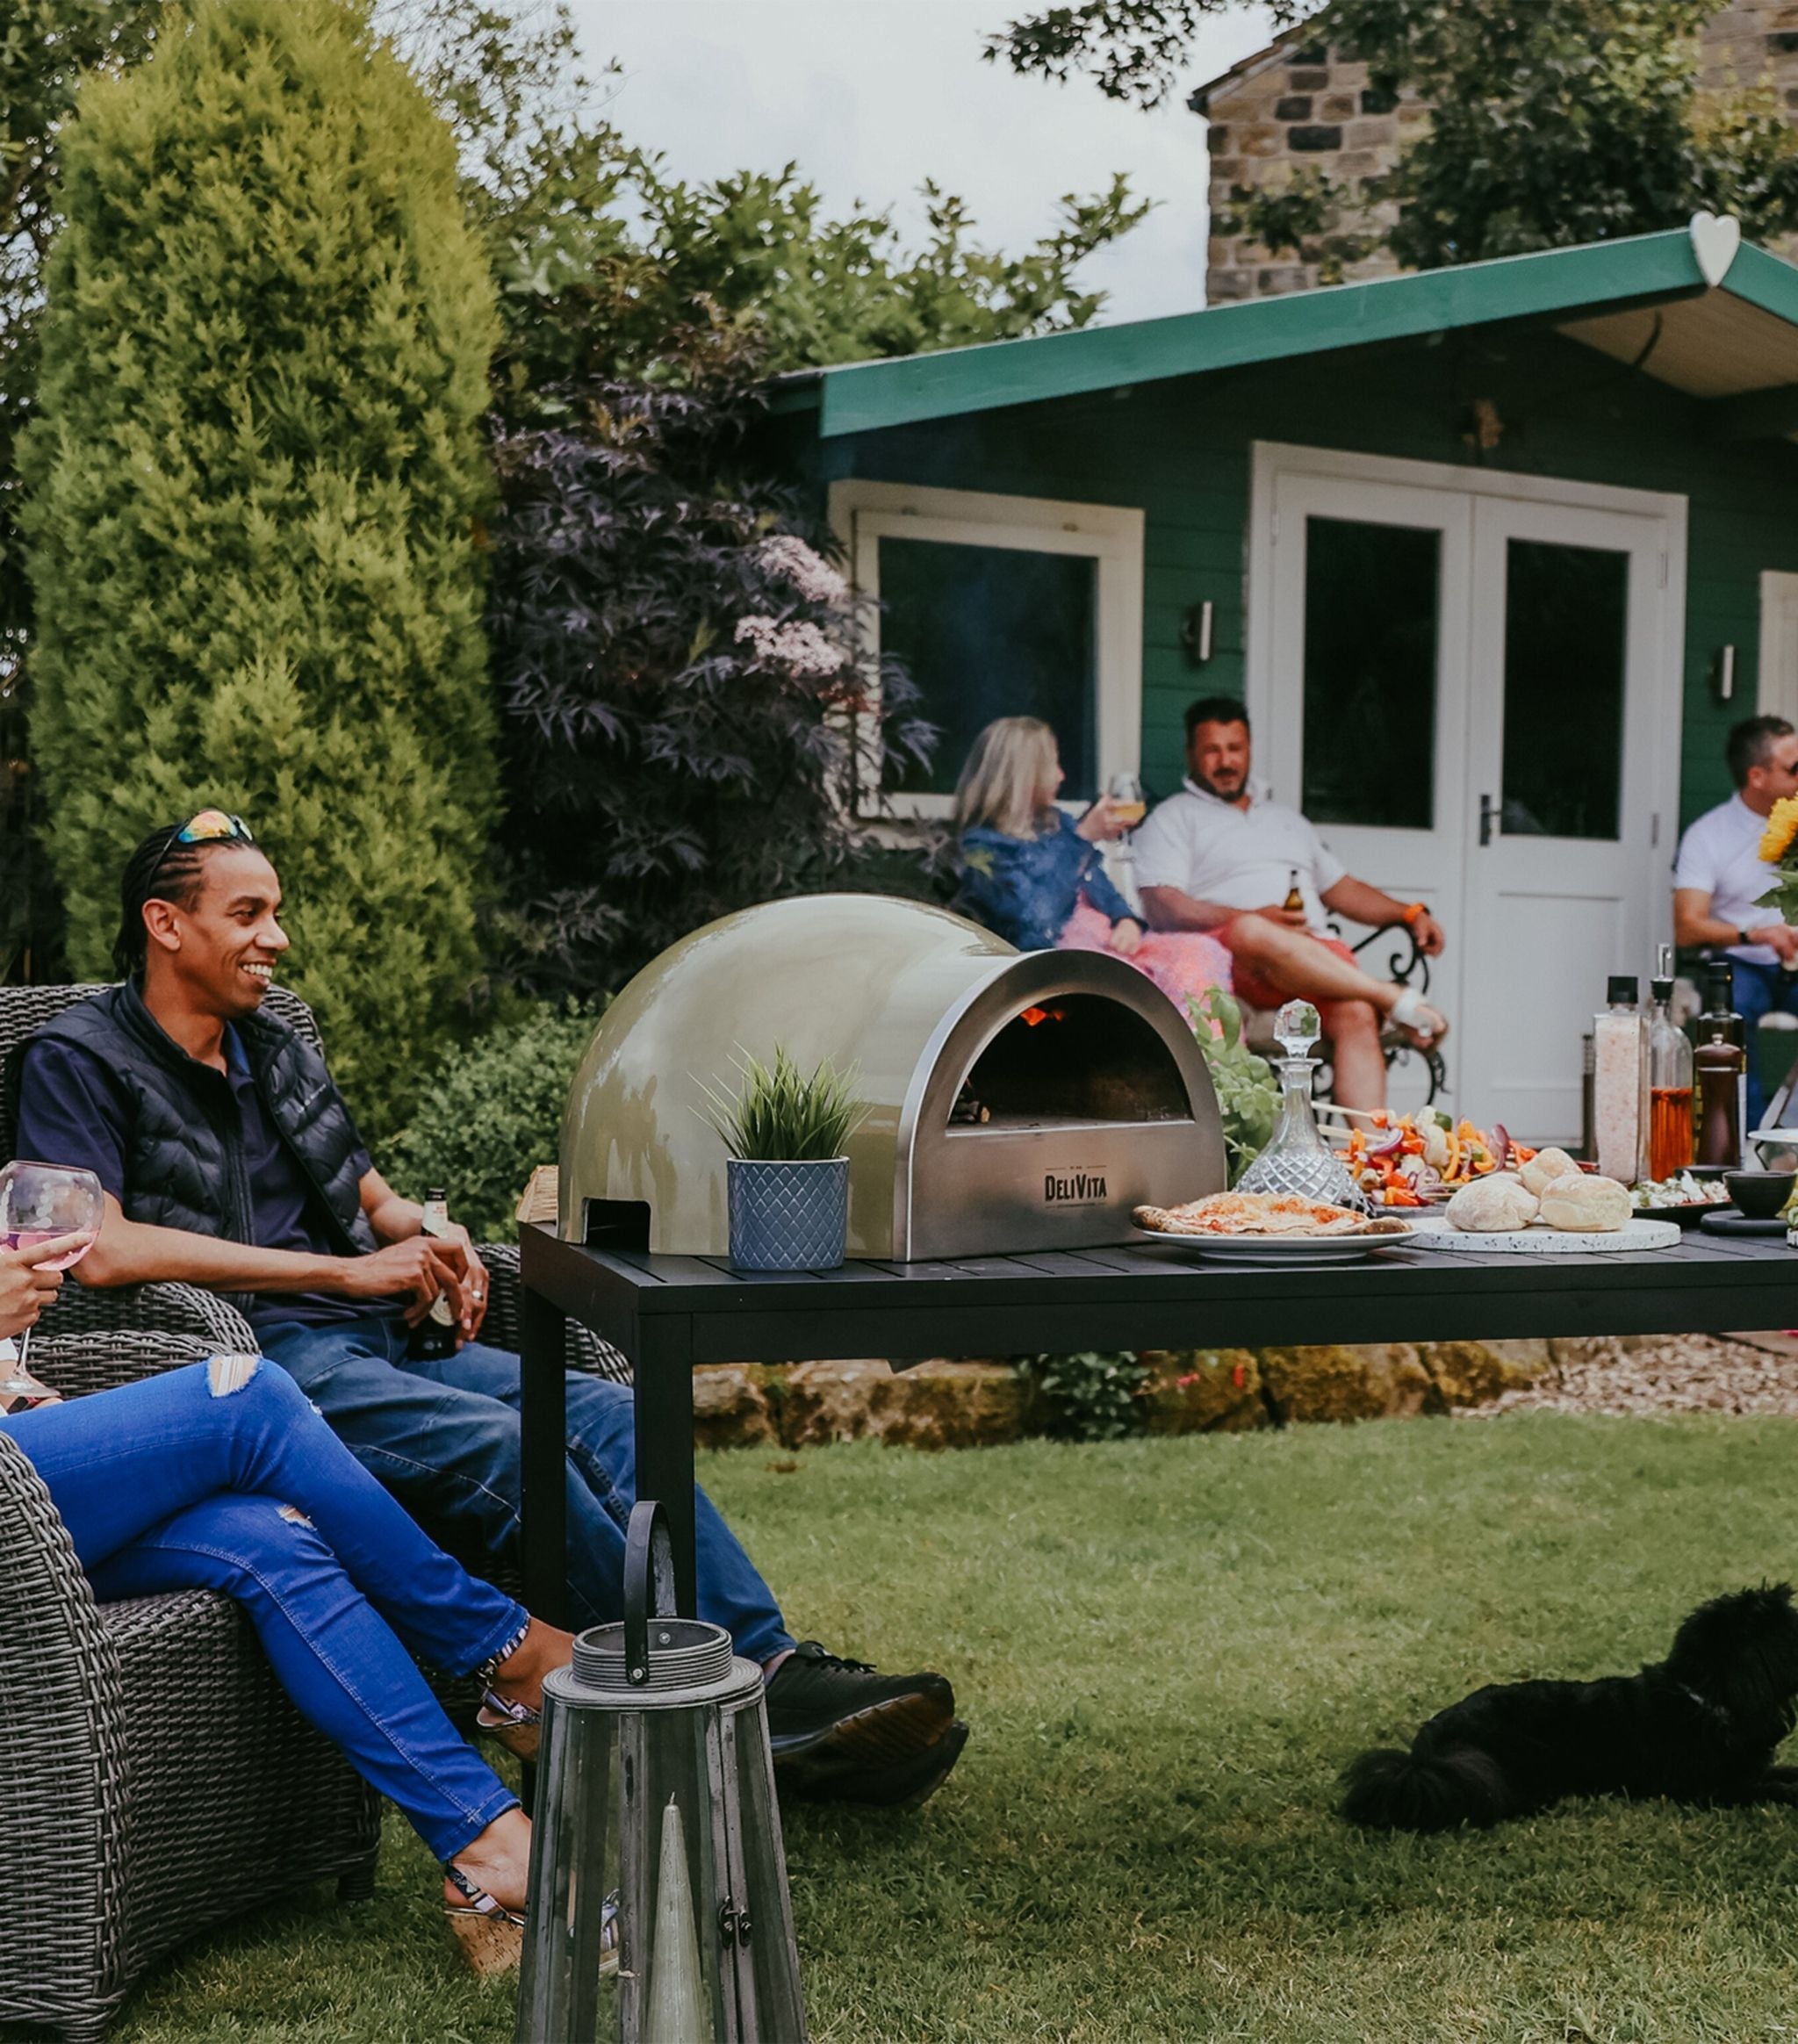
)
(1684, 1373)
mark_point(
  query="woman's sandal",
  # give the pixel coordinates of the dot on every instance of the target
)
(492, 1936)
(516, 1726)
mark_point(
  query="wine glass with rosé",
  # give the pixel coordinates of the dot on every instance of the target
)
(42, 1202)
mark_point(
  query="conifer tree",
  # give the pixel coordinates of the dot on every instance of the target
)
(254, 488)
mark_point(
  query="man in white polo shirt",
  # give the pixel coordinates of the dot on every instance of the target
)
(1718, 880)
(1222, 858)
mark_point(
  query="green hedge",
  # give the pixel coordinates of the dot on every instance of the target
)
(490, 1113)
(254, 486)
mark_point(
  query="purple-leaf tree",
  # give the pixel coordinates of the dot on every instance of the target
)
(687, 707)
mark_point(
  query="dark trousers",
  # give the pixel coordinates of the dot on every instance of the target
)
(1758, 991)
(443, 1437)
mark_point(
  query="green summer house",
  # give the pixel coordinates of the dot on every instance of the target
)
(1495, 554)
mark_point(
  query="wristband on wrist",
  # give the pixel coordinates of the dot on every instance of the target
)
(1743, 938)
(1409, 915)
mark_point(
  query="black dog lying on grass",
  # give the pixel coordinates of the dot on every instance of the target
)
(1701, 1726)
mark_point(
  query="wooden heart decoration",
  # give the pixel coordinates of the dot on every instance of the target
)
(1715, 238)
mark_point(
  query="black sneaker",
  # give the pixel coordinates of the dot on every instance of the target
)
(901, 1787)
(831, 1718)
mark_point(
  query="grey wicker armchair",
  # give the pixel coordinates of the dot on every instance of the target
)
(187, 1309)
(158, 1781)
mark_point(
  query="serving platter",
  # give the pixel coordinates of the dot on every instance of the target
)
(1247, 1249)
(1687, 1214)
(1729, 1220)
(1547, 1242)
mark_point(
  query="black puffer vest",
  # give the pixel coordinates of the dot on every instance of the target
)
(184, 1149)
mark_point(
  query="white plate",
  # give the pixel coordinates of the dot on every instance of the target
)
(1285, 1249)
(1549, 1242)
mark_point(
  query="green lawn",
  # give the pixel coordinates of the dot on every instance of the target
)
(1167, 1649)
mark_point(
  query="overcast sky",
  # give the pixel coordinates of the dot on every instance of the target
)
(871, 96)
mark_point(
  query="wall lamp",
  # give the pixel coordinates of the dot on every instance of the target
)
(1196, 633)
(1722, 673)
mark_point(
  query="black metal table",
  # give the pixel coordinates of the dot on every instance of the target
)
(667, 1314)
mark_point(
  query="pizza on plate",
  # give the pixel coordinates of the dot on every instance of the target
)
(1260, 1214)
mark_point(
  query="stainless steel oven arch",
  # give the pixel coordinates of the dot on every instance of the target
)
(977, 1190)
(1105, 1103)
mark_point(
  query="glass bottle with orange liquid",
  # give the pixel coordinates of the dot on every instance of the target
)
(1670, 1130)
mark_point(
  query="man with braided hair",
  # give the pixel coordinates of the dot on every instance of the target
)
(230, 1160)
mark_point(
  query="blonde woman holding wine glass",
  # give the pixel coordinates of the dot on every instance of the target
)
(221, 1476)
(1034, 875)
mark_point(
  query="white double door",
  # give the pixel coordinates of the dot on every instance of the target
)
(1472, 686)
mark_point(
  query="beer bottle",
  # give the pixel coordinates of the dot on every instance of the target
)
(1294, 903)
(435, 1336)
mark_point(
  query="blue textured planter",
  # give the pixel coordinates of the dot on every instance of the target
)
(787, 1216)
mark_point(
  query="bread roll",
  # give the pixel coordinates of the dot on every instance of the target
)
(1498, 1205)
(1581, 1203)
(1544, 1167)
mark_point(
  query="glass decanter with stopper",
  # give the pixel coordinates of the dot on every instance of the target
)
(1297, 1159)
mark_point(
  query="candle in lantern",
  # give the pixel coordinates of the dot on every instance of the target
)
(677, 2013)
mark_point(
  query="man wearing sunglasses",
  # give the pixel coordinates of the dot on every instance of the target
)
(230, 1160)
(1719, 878)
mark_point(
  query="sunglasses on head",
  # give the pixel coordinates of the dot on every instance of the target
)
(213, 827)
(209, 826)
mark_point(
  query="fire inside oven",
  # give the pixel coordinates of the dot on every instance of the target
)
(1074, 1059)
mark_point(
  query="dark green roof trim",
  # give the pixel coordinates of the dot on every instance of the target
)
(799, 391)
(864, 397)
(1764, 281)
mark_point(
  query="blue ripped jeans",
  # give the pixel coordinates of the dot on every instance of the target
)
(442, 1435)
(164, 1485)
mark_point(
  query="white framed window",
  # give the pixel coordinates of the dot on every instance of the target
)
(1001, 607)
(1776, 688)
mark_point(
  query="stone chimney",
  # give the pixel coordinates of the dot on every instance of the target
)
(1300, 104)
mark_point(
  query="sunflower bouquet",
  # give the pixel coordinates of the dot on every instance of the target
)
(1779, 849)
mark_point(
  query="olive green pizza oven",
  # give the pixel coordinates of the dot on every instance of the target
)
(1018, 1100)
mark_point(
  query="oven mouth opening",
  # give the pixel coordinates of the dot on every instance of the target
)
(1070, 1061)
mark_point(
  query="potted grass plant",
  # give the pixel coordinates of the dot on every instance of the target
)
(787, 1173)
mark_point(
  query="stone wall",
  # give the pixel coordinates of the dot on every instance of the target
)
(1188, 1391)
(1299, 105)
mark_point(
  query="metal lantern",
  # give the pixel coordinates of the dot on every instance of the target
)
(659, 1911)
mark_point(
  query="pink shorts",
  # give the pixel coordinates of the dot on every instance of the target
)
(1262, 993)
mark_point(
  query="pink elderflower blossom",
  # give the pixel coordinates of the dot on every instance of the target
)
(801, 648)
(787, 555)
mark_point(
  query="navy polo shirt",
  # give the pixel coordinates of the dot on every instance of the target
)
(73, 1110)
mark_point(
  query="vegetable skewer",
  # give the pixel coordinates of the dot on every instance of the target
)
(1407, 1160)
